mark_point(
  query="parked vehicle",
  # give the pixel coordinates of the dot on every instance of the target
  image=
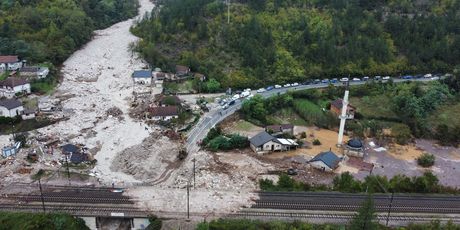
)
(428, 75)
(245, 93)
(235, 97)
(277, 86)
(306, 82)
(287, 85)
(261, 90)
(317, 81)
(366, 78)
(386, 78)
(334, 80)
(232, 102)
(407, 77)
(356, 79)
(434, 78)
(247, 90)
(325, 81)
(295, 84)
(270, 88)
(344, 79)
(377, 78)
(418, 76)
(225, 106)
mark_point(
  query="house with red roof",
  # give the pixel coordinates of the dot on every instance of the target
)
(10, 63)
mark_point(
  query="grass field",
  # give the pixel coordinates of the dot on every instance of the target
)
(179, 87)
(308, 110)
(287, 116)
(447, 114)
(374, 107)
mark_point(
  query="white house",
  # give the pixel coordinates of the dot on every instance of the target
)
(34, 71)
(264, 142)
(143, 77)
(10, 108)
(163, 113)
(325, 161)
(9, 63)
(12, 85)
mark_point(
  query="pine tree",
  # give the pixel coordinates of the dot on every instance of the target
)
(365, 219)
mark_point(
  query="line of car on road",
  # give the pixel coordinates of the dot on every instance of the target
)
(246, 94)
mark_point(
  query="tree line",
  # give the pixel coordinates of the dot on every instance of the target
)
(51, 30)
(274, 42)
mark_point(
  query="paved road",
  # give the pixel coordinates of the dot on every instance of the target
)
(216, 115)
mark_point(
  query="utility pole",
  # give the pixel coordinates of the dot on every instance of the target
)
(41, 195)
(188, 200)
(194, 160)
(389, 208)
(67, 167)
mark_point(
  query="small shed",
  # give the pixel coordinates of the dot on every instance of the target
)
(325, 161)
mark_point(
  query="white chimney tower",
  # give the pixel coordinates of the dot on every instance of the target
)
(343, 117)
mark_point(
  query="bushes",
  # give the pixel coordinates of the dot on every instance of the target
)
(401, 133)
(316, 142)
(216, 140)
(10, 120)
(427, 183)
(155, 223)
(426, 160)
(17, 220)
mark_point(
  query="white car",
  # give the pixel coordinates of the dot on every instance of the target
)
(287, 85)
(245, 93)
(386, 78)
(247, 90)
(428, 75)
(261, 90)
(277, 86)
(356, 79)
(295, 84)
(236, 96)
(344, 79)
(434, 78)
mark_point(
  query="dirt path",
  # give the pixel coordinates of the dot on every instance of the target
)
(96, 78)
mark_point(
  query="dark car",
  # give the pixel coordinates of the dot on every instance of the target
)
(269, 88)
(231, 102)
(407, 77)
(292, 172)
(306, 82)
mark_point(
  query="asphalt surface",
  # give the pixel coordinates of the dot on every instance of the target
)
(216, 115)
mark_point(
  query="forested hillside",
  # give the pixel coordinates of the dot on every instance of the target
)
(51, 30)
(278, 41)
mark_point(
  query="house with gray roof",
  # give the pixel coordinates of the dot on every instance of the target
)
(10, 63)
(325, 161)
(12, 85)
(263, 143)
(143, 77)
(10, 108)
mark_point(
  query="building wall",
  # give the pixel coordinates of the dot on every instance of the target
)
(22, 88)
(268, 146)
(28, 116)
(145, 81)
(11, 66)
(354, 153)
(11, 113)
(321, 166)
(8, 93)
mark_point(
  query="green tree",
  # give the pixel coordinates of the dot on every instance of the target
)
(401, 133)
(366, 217)
(212, 86)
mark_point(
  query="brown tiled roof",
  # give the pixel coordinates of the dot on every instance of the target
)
(160, 75)
(13, 81)
(8, 59)
(163, 111)
(176, 99)
(181, 68)
(339, 103)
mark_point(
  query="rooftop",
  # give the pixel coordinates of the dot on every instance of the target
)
(10, 103)
(69, 148)
(164, 111)
(339, 103)
(261, 138)
(13, 81)
(328, 158)
(9, 59)
(142, 74)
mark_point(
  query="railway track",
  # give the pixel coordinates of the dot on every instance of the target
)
(80, 210)
(352, 202)
(341, 217)
(58, 198)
